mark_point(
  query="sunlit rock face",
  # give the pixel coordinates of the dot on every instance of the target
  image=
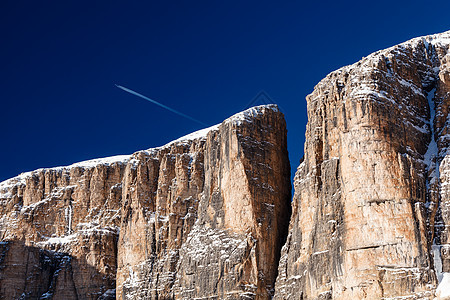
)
(203, 216)
(370, 203)
(59, 230)
(207, 217)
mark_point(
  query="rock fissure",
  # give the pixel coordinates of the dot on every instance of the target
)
(371, 247)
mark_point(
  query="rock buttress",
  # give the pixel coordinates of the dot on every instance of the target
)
(233, 249)
(369, 206)
(207, 217)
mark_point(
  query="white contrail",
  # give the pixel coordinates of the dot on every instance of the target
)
(159, 104)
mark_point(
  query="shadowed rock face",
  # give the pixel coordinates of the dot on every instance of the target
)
(369, 201)
(204, 216)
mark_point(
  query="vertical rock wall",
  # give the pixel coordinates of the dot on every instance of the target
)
(368, 190)
(59, 230)
(240, 212)
(207, 218)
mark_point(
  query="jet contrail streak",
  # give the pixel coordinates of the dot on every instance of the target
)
(159, 104)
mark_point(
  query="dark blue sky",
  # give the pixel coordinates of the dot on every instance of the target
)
(59, 62)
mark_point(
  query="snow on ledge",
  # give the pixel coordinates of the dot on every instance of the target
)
(245, 116)
(202, 133)
(237, 119)
(89, 164)
(100, 161)
(364, 63)
(442, 38)
(249, 114)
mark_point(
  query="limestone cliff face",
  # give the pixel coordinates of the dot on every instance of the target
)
(59, 231)
(371, 207)
(204, 216)
(208, 217)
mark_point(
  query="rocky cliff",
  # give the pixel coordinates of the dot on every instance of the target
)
(204, 216)
(213, 224)
(371, 208)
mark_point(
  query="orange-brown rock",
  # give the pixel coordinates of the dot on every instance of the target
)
(59, 230)
(207, 218)
(204, 216)
(365, 210)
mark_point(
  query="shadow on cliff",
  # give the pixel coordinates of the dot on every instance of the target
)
(28, 272)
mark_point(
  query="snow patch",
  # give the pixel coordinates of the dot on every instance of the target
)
(59, 240)
(199, 134)
(109, 293)
(320, 252)
(245, 116)
(437, 260)
(443, 290)
(68, 216)
(432, 150)
(237, 119)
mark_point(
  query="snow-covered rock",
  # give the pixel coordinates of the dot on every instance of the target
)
(443, 290)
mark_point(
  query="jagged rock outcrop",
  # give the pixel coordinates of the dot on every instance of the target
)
(371, 194)
(204, 216)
